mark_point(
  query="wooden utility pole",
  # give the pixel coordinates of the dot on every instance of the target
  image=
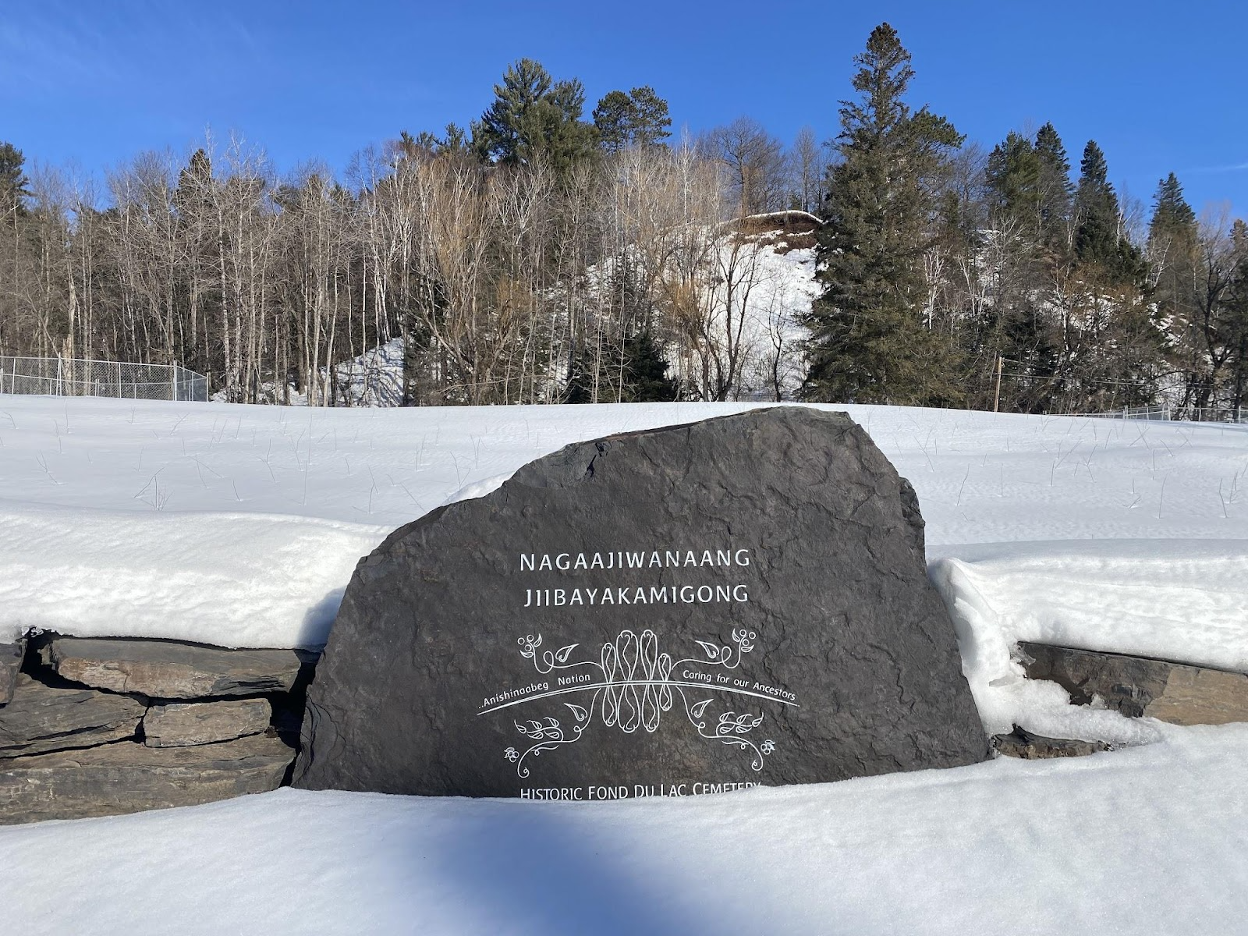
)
(996, 399)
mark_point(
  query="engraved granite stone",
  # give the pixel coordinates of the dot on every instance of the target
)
(686, 610)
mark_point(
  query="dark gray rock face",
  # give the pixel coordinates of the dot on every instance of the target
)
(41, 719)
(167, 669)
(128, 777)
(11, 655)
(1138, 686)
(693, 609)
(180, 725)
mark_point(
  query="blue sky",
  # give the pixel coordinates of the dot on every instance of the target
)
(89, 84)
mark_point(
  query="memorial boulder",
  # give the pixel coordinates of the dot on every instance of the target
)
(692, 609)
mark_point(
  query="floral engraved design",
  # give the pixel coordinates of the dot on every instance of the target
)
(632, 688)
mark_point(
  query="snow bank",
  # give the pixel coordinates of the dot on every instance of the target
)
(240, 525)
(232, 579)
(1183, 600)
(1149, 840)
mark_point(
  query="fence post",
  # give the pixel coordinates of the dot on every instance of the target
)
(173, 385)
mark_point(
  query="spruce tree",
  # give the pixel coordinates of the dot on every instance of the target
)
(1054, 189)
(1172, 215)
(1177, 275)
(870, 340)
(1101, 247)
(1235, 327)
(1013, 176)
(1096, 238)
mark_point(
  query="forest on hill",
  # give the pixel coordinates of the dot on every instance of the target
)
(545, 254)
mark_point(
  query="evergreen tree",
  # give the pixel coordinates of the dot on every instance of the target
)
(1096, 240)
(870, 337)
(1054, 189)
(1100, 245)
(1172, 215)
(1013, 177)
(637, 374)
(534, 119)
(1236, 322)
(638, 118)
(12, 179)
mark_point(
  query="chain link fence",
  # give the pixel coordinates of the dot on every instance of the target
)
(76, 377)
(1223, 414)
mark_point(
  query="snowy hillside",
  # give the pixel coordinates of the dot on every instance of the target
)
(241, 526)
(756, 292)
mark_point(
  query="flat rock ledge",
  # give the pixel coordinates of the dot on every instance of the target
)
(191, 723)
(127, 777)
(1138, 686)
(104, 727)
(1027, 746)
(167, 669)
(41, 719)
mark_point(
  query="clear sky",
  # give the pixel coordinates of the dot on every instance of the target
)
(1161, 86)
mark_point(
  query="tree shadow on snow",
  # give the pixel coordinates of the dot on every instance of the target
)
(533, 868)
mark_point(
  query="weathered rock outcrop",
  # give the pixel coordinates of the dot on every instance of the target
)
(1136, 686)
(128, 777)
(167, 669)
(41, 718)
(10, 663)
(182, 725)
(69, 750)
(1027, 746)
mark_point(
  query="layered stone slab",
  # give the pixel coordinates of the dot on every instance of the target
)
(1024, 744)
(127, 777)
(184, 724)
(166, 669)
(697, 608)
(41, 718)
(1136, 686)
(11, 655)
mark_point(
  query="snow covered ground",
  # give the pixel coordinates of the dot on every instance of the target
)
(1150, 840)
(241, 525)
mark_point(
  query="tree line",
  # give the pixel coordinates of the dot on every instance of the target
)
(543, 254)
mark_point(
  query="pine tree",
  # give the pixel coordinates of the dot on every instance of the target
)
(638, 118)
(614, 117)
(870, 338)
(12, 179)
(534, 119)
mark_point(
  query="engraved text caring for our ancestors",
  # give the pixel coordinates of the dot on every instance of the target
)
(629, 682)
